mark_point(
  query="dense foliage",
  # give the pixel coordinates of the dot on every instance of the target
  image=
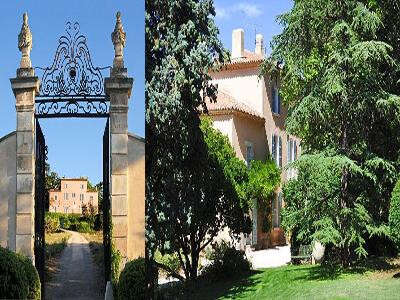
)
(189, 194)
(225, 262)
(131, 283)
(340, 82)
(82, 223)
(18, 277)
(394, 215)
(51, 223)
(264, 179)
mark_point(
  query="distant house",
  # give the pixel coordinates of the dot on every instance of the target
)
(72, 196)
(250, 113)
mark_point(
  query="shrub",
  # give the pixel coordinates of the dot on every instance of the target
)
(18, 277)
(169, 260)
(394, 215)
(65, 222)
(132, 281)
(98, 222)
(32, 279)
(225, 262)
(51, 223)
(83, 227)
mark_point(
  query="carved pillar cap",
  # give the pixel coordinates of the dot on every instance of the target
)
(25, 43)
(118, 85)
(118, 37)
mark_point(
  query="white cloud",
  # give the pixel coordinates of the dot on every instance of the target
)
(248, 9)
(221, 12)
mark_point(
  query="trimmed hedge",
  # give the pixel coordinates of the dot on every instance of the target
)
(18, 277)
(394, 215)
(132, 281)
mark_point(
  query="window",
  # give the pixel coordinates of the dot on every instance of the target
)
(55, 197)
(276, 210)
(276, 149)
(91, 198)
(275, 100)
(249, 153)
(66, 185)
(81, 186)
(81, 197)
(279, 162)
(66, 196)
(73, 195)
(291, 150)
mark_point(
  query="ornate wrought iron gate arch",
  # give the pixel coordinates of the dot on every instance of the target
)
(71, 88)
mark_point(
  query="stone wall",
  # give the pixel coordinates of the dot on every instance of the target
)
(8, 183)
(136, 196)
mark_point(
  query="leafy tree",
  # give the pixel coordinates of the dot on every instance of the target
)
(394, 215)
(52, 182)
(99, 188)
(264, 179)
(182, 201)
(340, 83)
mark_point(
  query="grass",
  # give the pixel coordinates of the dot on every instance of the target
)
(95, 240)
(376, 279)
(55, 244)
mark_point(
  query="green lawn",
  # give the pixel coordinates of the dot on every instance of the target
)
(305, 282)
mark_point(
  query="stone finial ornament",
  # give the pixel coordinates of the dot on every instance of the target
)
(25, 43)
(118, 37)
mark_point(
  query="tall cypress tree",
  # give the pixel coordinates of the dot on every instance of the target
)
(188, 195)
(340, 83)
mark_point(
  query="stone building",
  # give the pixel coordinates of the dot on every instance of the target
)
(250, 113)
(72, 197)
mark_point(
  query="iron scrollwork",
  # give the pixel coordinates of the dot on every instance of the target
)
(72, 86)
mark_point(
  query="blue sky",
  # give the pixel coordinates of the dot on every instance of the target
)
(75, 145)
(253, 16)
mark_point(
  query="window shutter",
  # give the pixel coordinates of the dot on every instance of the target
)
(273, 148)
(273, 99)
(280, 151)
(279, 209)
(295, 151)
(278, 102)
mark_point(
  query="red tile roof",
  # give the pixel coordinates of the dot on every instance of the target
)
(226, 102)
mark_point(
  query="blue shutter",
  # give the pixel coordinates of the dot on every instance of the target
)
(279, 102)
(280, 151)
(273, 148)
(279, 209)
(273, 99)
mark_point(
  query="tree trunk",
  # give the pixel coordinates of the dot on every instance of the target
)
(194, 266)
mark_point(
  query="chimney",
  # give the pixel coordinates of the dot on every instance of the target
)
(237, 43)
(260, 44)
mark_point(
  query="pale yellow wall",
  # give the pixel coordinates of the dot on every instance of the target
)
(8, 183)
(224, 123)
(136, 197)
(251, 131)
(244, 85)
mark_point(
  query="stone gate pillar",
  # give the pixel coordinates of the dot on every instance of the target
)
(118, 88)
(25, 86)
